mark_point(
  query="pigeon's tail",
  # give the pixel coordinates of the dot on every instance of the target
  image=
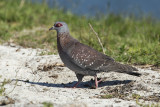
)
(135, 74)
(121, 68)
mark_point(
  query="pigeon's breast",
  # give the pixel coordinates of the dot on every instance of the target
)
(65, 44)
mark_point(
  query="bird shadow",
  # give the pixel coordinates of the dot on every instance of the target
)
(86, 84)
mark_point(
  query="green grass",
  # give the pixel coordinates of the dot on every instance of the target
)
(2, 88)
(47, 104)
(107, 96)
(136, 96)
(128, 40)
(141, 104)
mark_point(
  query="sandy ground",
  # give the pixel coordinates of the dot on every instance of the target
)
(34, 79)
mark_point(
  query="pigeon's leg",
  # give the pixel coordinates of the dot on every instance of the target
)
(96, 82)
(99, 80)
(80, 77)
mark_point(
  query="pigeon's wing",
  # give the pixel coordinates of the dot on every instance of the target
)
(88, 58)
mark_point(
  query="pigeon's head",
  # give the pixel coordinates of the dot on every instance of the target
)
(60, 27)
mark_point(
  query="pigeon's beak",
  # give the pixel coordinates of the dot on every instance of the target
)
(52, 28)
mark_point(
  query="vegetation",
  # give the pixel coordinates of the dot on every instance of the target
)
(107, 96)
(128, 40)
(47, 104)
(2, 88)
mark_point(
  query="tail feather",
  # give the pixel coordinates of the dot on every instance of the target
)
(121, 68)
(135, 74)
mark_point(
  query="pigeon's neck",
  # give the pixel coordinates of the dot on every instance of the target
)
(62, 35)
(64, 41)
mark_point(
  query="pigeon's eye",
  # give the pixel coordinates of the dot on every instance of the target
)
(58, 25)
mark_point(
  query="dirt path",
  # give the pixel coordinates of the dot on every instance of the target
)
(30, 80)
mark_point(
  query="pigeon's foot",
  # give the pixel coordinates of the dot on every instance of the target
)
(99, 80)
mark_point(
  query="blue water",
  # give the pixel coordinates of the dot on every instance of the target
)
(92, 7)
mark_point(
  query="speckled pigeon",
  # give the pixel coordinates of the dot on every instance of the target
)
(84, 60)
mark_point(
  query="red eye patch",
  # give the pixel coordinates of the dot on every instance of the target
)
(58, 25)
